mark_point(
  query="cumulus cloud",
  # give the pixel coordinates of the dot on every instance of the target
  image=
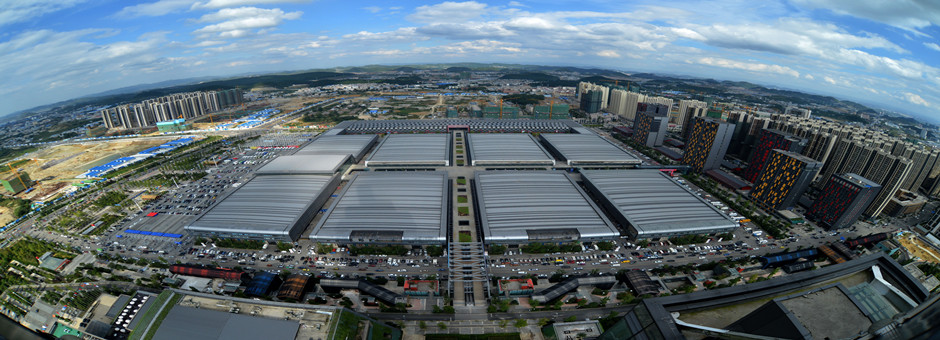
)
(243, 21)
(747, 66)
(14, 11)
(915, 99)
(448, 12)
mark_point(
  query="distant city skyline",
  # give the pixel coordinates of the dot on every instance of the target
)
(880, 53)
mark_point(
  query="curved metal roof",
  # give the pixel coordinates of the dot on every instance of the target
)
(410, 204)
(270, 205)
(507, 148)
(587, 149)
(654, 204)
(517, 204)
(412, 149)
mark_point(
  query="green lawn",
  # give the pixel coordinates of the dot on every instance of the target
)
(462, 199)
(461, 181)
(463, 211)
(465, 237)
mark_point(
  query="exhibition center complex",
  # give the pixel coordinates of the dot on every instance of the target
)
(399, 181)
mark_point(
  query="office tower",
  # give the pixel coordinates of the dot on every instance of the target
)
(842, 201)
(768, 141)
(786, 175)
(707, 143)
(591, 101)
(649, 127)
(689, 108)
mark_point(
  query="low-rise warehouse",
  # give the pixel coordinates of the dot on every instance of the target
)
(269, 208)
(445, 125)
(650, 204)
(518, 207)
(388, 207)
(587, 150)
(202, 323)
(262, 284)
(305, 164)
(507, 149)
(354, 145)
(295, 287)
(412, 150)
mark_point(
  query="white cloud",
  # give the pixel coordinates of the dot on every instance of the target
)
(154, 9)
(215, 4)
(373, 9)
(916, 99)
(747, 66)
(516, 4)
(240, 22)
(401, 34)
(448, 12)
(933, 46)
(912, 15)
(14, 11)
(608, 54)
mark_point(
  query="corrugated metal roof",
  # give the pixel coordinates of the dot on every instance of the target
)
(587, 149)
(203, 323)
(441, 125)
(304, 165)
(412, 149)
(653, 203)
(354, 145)
(399, 205)
(269, 205)
(507, 148)
(515, 204)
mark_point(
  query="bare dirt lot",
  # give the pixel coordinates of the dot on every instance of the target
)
(55, 167)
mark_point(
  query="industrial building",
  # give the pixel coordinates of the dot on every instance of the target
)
(354, 145)
(262, 284)
(366, 287)
(295, 287)
(785, 177)
(217, 273)
(412, 150)
(202, 323)
(587, 150)
(707, 142)
(518, 207)
(268, 208)
(560, 289)
(843, 200)
(649, 204)
(445, 125)
(306, 164)
(388, 207)
(864, 296)
(510, 149)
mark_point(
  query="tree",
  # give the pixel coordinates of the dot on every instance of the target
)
(571, 318)
(441, 325)
(503, 323)
(520, 323)
(544, 322)
(422, 325)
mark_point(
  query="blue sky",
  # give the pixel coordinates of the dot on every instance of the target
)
(885, 53)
